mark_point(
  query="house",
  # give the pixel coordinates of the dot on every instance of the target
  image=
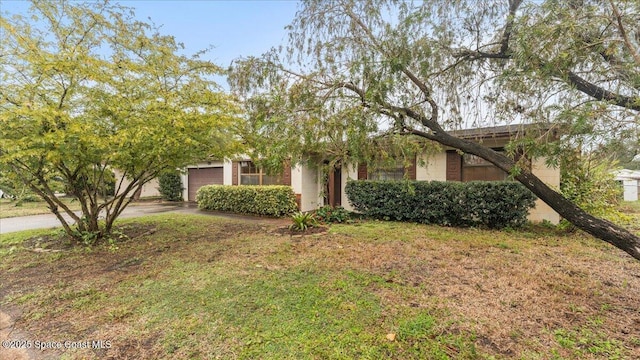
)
(148, 190)
(312, 191)
(630, 180)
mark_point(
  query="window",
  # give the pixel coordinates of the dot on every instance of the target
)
(250, 174)
(477, 168)
(395, 173)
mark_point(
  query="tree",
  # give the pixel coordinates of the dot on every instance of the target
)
(87, 89)
(363, 69)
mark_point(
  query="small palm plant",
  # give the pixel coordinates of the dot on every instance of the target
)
(302, 221)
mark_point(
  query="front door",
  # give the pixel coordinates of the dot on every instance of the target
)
(334, 188)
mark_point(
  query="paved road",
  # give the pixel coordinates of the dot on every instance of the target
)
(136, 210)
(21, 223)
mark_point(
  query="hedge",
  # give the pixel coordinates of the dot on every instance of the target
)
(170, 186)
(490, 204)
(259, 200)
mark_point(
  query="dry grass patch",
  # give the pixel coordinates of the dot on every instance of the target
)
(202, 287)
(12, 208)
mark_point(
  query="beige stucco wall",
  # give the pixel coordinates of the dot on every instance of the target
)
(551, 176)
(149, 189)
(349, 172)
(434, 167)
(311, 189)
(304, 181)
(227, 172)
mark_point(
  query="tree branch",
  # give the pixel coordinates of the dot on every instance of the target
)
(599, 93)
(513, 7)
(634, 52)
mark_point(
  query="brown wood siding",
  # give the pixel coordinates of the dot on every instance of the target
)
(362, 171)
(334, 188)
(411, 169)
(299, 201)
(200, 177)
(286, 174)
(454, 166)
(234, 173)
(331, 190)
(483, 173)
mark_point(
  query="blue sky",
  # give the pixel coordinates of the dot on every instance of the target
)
(234, 27)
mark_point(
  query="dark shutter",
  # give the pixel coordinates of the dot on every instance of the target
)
(234, 173)
(286, 173)
(299, 201)
(411, 169)
(362, 171)
(454, 166)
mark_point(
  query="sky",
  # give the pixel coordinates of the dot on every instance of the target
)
(234, 28)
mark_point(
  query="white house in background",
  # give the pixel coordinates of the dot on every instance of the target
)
(630, 180)
(148, 190)
(313, 192)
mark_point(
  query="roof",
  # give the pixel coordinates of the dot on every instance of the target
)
(502, 131)
(626, 174)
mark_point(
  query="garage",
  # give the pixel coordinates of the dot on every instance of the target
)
(203, 176)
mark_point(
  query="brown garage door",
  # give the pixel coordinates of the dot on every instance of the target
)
(201, 177)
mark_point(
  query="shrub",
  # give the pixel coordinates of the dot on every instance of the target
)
(275, 200)
(477, 203)
(589, 183)
(330, 214)
(27, 198)
(302, 221)
(170, 186)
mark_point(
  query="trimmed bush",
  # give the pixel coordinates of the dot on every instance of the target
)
(272, 200)
(170, 186)
(330, 214)
(488, 204)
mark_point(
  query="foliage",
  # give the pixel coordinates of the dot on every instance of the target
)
(358, 75)
(272, 200)
(14, 189)
(625, 151)
(333, 299)
(26, 198)
(86, 89)
(330, 214)
(301, 221)
(487, 204)
(588, 182)
(170, 186)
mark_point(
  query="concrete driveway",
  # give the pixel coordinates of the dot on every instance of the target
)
(45, 221)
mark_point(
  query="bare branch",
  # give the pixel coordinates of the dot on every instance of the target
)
(599, 93)
(634, 52)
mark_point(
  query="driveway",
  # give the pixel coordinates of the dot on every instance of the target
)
(8, 225)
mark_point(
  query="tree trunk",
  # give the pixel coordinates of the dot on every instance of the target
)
(600, 228)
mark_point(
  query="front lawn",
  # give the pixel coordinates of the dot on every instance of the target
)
(11, 208)
(204, 287)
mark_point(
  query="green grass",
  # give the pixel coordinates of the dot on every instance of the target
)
(10, 208)
(202, 287)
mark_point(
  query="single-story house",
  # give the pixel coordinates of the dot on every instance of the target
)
(148, 190)
(630, 180)
(313, 192)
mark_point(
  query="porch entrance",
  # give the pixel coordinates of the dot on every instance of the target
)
(333, 192)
